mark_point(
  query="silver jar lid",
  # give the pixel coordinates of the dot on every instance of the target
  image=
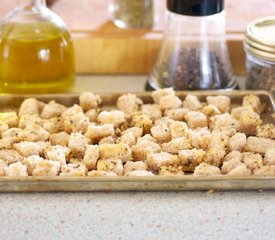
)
(260, 38)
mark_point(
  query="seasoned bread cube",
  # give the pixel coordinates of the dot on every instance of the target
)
(95, 133)
(161, 133)
(136, 131)
(92, 114)
(171, 171)
(7, 143)
(144, 147)
(237, 142)
(234, 155)
(241, 170)
(16, 170)
(252, 160)
(178, 129)
(214, 156)
(139, 173)
(3, 166)
(253, 101)
(258, 144)
(129, 103)
(264, 171)
(266, 131)
(88, 100)
(53, 125)
(223, 103)
(52, 109)
(224, 120)
(109, 139)
(114, 117)
(192, 157)
(27, 120)
(206, 170)
(71, 111)
(127, 138)
(156, 160)
(76, 123)
(46, 168)
(9, 118)
(110, 165)
(169, 101)
(192, 102)
(30, 106)
(61, 138)
(199, 138)
(12, 133)
(3, 127)
(142, 121)
(269, 158)
(57, 153)
(10, 156)
(27, 149)
(228, 166)
(177, 114)
(31, 162)
(73, 170)
(152, 111)
(34, 133)
(96, 173)
(210, 111)
(135, 166)
(91, 156)
(156, 95)
(175, 145)
(196, 119)
(78, 143)
(119, 151)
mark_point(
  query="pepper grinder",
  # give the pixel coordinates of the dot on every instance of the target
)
(194, 54)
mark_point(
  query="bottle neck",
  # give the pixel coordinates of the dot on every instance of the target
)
(23, 4)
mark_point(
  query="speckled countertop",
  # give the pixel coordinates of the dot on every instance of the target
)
(136, 215)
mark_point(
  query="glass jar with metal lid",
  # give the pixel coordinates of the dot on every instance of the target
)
(260, 54)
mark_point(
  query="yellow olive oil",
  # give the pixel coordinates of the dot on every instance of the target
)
(35, 58)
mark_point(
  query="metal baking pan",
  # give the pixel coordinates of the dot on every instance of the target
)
(122, 183)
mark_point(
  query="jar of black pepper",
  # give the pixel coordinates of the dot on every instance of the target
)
(194, 52)
(133, 13)
(260, 54)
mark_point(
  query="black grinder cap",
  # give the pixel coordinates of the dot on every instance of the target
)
(195, 7)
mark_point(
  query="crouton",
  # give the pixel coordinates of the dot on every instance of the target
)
(88, 100)
(206, 170)
(192, 102)
(223, 103)
(119, 151)
(156, 160)
(196, 119)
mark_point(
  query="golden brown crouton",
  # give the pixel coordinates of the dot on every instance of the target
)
(206, 170)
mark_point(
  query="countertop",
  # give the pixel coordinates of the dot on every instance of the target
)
(136, 215)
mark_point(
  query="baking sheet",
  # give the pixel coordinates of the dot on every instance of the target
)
(123, 183)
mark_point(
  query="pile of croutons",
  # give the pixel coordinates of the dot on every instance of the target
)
(170, 137)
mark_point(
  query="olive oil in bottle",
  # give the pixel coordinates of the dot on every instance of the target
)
(36, 51)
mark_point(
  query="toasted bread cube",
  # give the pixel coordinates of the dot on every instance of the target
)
(223, 120)
(161, 133)
(175, 145)
(269, 158)
(114, 117)
(12, 133)
(178, 129)
(3, 166)
(228, 166)
(3, 127)
(241, 170)
(119, 151)
(169, 101)
(71, 111)
(46, 168)
(9, 118)
(7, 143)
(96, 173)
(92, 114)
(53, 125)
(177, 114)
(34, 133)
(76, 123)
(264, 171)
(143, 147)
(127, 138)
(136, 131)
(16, 170)
(52, 109)
(266, 131)
(31, 162)
(211, 111)
(234, 155)
(196, 119)
(30, 106)
(206, 170)
(214, 156)
(91, 156)
(252, 160)
(199, 137)
(61, 138)
(129, 103)
(73, 170)
(156, 160)
(219, 139)
(95, 133)
(88, 100)
(10, 156)
(142, 121)
(164, 120)
(171, 171)
(57, 153)
(109, 139)
(78, 143)
(152, 111)
(27, 149)
(253, 101)
(249, 122)
(259, 145)
(192, 102)
(223, 103)
(139, 173)
(237, 142)
(27, 120)
(156, 95)
(191, 157)
(110, 165)
(135, 166)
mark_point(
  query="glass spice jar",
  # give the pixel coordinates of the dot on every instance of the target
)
(194, 53)
(133, 13)
(36, 50)
(260, 54)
